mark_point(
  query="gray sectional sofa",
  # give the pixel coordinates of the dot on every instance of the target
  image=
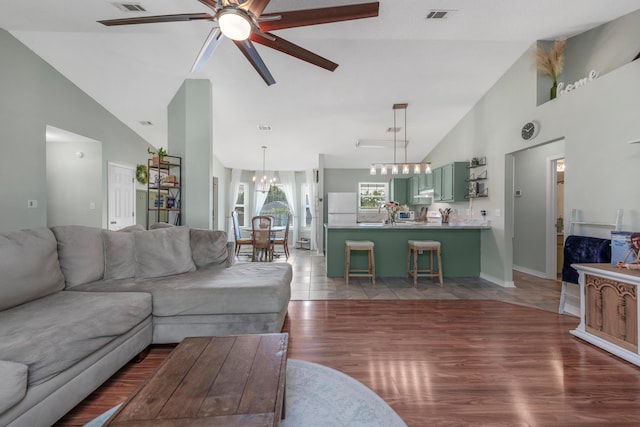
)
(77, 303)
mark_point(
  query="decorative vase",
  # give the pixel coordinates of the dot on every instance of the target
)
(392, 218)
(554, 90)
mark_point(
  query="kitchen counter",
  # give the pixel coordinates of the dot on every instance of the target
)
(408, 224)
(460, 247)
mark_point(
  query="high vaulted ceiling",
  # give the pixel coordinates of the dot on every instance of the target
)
(440, 68)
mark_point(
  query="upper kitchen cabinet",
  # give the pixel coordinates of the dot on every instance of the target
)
(450, 182)
(398, 190)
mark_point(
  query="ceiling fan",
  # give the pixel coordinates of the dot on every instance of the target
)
(243, 22)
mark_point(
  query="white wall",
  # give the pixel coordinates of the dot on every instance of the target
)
(74, 184)
(35, 95)
(596, 121)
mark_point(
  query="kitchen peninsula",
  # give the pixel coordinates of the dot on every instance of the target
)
(460, 245)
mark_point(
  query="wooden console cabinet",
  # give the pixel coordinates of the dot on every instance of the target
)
(609, 309)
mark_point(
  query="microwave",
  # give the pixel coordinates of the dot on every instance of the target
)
(406, 216)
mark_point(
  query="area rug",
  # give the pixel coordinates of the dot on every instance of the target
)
(321, 396)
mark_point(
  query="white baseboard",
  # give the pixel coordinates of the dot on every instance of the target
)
(497, 281)
(540, 274)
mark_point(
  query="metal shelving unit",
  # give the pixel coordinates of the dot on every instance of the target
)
(164, 186)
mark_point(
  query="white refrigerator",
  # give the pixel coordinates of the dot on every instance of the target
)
(342, 208)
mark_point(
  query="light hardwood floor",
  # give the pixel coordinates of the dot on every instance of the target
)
(469, 353)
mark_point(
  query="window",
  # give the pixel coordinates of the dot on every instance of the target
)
(306, 206)
(371, 195)
(240, 205)
(276, 205)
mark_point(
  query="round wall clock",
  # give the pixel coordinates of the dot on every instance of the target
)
(530, 130)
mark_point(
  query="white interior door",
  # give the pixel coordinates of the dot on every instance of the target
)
(122, 196)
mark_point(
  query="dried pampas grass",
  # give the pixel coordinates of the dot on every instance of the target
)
(551, 62)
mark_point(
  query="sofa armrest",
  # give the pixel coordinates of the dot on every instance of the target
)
(13, 383)
(231, 249)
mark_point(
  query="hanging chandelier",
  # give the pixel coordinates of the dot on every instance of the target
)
(264, 185)
(395, 167)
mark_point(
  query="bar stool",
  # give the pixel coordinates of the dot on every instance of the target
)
(415, 246)
(359, 245)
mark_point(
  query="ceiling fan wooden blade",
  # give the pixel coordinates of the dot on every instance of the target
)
(158, 18)
(302, 18)
(250, 52)
(257, 6)
(211, 3)
(210, 44)
(294, 50)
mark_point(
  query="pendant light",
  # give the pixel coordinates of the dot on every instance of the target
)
(404, 168)
(263, 185)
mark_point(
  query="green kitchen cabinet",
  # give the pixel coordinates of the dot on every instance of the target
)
(450, 182)
(398, 190)
(426, 182)
(415, 189)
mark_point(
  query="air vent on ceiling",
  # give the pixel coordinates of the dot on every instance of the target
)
(437, 14)
(145, 122)
(264, 127)
(130, 7)
(394, 130)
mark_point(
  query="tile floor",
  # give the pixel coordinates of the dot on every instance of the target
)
(310, 283)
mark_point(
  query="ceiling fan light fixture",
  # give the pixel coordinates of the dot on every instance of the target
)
(234, 24)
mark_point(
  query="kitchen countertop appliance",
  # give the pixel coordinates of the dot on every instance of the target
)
(406, 216)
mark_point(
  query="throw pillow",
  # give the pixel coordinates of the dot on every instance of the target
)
(135, 227)
(163, 252)
(208, 247)
(81, 253)
(29, 266)
(119, 255)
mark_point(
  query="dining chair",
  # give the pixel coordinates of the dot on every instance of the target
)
(284, 240)
(261, 238)
(236, 234)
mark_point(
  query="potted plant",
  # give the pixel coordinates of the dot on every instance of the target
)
(551, 62)
(158, 156)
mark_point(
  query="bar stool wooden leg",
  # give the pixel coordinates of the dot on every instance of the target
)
(372, 263)
(439, 266)
(415, 266)
(347, 263)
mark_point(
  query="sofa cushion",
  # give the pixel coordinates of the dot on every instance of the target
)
(80, 252)
(163, 252)
(29, 266)
(242, 288)
(13, 386)
(208, 247)
(119, 255)
(51, 334)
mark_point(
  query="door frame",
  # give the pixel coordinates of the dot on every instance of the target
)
(552, 215)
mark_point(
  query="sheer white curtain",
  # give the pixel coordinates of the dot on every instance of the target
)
(260, 196)
(236, 174)
(312, 188)
(288, 181)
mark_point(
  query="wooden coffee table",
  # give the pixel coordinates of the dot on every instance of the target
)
(207, 381)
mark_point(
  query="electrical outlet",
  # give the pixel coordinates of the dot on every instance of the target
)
(92, 205)
(32, 203)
